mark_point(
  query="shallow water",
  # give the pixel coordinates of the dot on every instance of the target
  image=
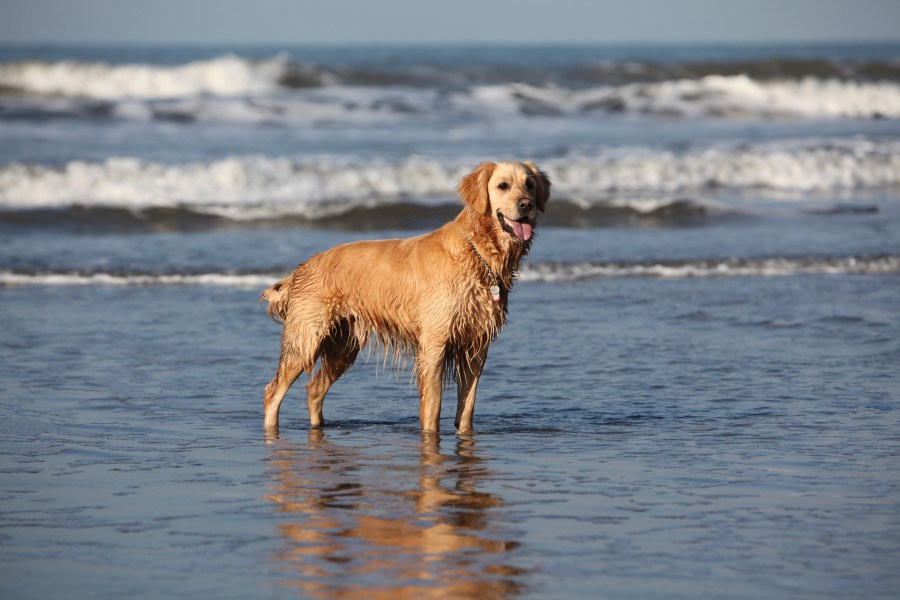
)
(696, 395)
(635, 438)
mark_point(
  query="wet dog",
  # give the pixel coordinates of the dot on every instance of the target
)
(440, 298)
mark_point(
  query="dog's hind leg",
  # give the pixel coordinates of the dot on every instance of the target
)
(289, 370)
(336, 354)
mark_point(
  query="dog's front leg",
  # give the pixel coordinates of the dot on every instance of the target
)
(430, 372)
(468, 370)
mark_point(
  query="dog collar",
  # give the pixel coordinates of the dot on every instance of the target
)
(495, 286)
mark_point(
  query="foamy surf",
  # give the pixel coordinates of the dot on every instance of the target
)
(258, 187)
(547, 272)
(81, 279)
(224, 76)
(741, 96)
(232, 88)
(532, 272)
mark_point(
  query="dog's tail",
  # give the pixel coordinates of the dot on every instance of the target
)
(277, 297)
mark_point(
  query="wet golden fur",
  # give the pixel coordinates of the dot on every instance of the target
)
(427, 297)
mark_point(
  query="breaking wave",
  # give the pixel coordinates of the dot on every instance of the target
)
(732, 267)
(725, 96)
(223, 76)
(536, 272)
(231, 88)
(256, 187)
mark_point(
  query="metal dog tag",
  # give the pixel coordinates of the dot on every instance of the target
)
(495, 292)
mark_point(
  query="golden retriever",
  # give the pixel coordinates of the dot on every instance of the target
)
(440, 297)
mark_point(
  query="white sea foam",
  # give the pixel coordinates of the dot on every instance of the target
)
(223, 76)
(242, 188)
(764, 267)
(742, 96)
(219, 88)
(252, 187)
(532, 272)
(808, 165)
(711, 96)
(243, 281)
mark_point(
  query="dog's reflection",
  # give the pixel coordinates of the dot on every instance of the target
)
(362, 524)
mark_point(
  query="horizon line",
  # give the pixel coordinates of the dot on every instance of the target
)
(483, 44)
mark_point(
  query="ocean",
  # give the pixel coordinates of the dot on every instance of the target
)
(696, 395)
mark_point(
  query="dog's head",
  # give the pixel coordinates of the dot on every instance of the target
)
(511, 194)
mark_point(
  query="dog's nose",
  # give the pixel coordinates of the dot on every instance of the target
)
(526, 204)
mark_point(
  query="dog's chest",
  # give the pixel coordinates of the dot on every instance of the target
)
(477, 315)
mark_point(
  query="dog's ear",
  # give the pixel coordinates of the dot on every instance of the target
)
(543, 185)
(473, 188)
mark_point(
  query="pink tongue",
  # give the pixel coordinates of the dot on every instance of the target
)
(522, 230)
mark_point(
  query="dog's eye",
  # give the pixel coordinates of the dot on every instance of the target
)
(503, 185)
(529, 183)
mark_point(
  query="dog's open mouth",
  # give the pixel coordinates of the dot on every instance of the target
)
(520, 229)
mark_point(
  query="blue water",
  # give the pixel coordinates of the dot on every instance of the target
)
(696, 395)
